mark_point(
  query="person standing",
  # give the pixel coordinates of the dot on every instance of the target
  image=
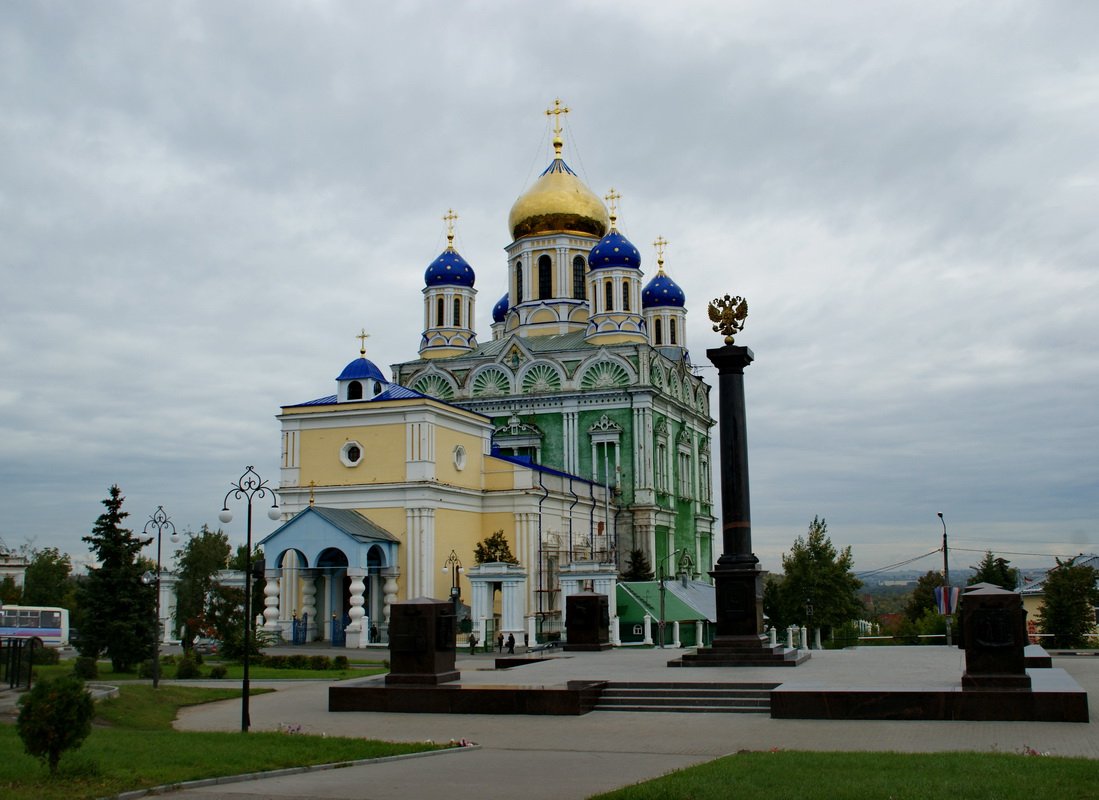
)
(472, 643)
(500, 643)
(511, 644)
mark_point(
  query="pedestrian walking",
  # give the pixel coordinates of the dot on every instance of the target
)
(472, 643)
(500, 643)
(511, 644)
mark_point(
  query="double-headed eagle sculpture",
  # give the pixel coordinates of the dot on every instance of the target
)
(728, 315)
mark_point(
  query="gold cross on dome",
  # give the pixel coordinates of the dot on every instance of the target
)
(449, 220)
(660, 244)
(557, 111)
(362, 337)
(612, 197)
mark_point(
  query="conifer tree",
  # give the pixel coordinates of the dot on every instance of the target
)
(816, 575)
(994, 569)
(119, 610)
(638, 567)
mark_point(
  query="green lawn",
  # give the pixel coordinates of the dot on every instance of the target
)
(133, 746)
(857, 776)
(233, 671)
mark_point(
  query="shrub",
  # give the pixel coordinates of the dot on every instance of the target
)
(145, 669)
(217, 672)
(168, 659)
(187, 669)
(86, 668)
(275, 662)
(320, 662)
(298, 661)
(55, 716)
(45, 656)
(340, 662)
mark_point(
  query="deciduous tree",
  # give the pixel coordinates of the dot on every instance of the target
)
(197, 565)
(923, 596)
(47, 579)
(1068, 607)
(494, 548)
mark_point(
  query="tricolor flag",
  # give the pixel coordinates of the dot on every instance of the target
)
(947, 600)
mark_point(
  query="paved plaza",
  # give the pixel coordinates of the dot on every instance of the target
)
(558, 758)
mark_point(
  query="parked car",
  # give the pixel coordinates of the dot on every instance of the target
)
(206, 647)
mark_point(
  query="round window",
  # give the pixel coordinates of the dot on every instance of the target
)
(459, 457)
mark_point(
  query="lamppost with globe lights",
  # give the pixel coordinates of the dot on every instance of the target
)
(454, 565)
(249, 486)
(159, 522)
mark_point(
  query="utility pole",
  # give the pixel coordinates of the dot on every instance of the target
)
(947, 593)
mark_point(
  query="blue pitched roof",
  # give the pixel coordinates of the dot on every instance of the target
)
(361, 369)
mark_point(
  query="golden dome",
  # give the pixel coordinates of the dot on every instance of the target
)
(558, 201)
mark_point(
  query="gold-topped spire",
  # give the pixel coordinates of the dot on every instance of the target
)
(312, 498)
(362, 337)
(557, 111)
(449, 220)
(660, 244)
(612, 197)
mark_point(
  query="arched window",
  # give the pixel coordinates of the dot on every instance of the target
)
(658, 331)
(579, 287)
(545, 278)
(457, 312)
(626, 296)
(608, 296)
(354, 391)
(671, 331)
(439, 313)
(518, 282)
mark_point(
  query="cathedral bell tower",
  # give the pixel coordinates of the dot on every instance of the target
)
(448, 302)
(553, 227)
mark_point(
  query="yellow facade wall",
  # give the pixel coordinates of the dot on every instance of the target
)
(446, 440)
(320, 455)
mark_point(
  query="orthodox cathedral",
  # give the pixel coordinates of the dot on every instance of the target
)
(579, 430)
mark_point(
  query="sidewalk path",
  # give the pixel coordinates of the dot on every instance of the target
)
(558, 758)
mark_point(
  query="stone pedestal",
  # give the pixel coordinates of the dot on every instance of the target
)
(421, 642)
(995, 639)
(739, 640)
(587, 620)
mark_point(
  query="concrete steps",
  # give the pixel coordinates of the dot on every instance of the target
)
(695, 698)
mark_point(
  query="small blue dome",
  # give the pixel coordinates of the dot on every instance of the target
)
(361, 369)
(614, 250)
(449, 269)
(500, 310)
(662, 291)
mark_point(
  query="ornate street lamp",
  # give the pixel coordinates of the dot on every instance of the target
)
(159, 522)
(454, 564)
(684, 567)
(248, 486)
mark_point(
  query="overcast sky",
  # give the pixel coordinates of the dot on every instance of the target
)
(201, 204)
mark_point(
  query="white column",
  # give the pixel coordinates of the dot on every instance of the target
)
(356, 613)
(698, 633)
(532, 630)
(648, 622)
(803, 642)
(309, 604)
(616, 631)
(816, 640)
(790, 637)
(389, 595)
(675, 634)
(271, 600)
(774, 636)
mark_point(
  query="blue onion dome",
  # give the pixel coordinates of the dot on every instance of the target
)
(361, 368)
(500, 310)
(614, 250)
(449, 269)
(662, 291)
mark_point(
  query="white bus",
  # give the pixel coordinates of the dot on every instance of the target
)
(48, 623)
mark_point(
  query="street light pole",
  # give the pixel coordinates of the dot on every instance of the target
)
(250, 485)
(160, 522)
(946, 580)
(685, 563)
(454, 564)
